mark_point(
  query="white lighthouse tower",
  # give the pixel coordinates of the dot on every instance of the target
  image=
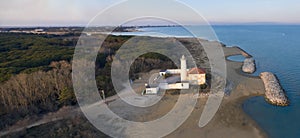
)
(183, 72)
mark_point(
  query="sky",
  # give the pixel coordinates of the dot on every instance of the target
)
(81, 12)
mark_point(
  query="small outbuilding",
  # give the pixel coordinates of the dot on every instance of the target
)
(151, 90)
(197, 76)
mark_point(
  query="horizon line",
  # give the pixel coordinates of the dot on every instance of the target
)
(212, 24)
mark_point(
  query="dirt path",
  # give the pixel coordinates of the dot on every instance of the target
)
(33, 121)
(65, 112)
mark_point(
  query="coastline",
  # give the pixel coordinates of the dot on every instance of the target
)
(230, 120)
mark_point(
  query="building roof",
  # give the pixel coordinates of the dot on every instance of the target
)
(196, 71)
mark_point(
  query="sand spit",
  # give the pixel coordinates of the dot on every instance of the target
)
(230, 120)
(274, 93)
(243, 52)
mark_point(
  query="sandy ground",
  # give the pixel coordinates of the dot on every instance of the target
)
(230, 120)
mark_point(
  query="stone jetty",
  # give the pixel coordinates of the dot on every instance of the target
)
(243, 52)
(249, 65)
(274, 93)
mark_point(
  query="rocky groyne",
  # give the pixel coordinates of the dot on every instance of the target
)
(249, 65)
(243, 52)
(274, 93)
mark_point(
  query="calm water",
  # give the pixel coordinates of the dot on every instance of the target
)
(275, 49)
(238, 58)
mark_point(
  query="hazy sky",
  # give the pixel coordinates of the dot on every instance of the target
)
(80, 12)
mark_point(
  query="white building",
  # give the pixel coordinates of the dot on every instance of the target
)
(183, 73)
(181, 85)
(151, 90)
(169, 71)
(194, 76)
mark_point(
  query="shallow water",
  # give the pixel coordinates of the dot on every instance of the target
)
(237, 58)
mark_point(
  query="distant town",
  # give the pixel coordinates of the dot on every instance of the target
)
(72, 30)
(43, 30)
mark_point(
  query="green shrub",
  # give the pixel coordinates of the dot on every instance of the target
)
(67, 96)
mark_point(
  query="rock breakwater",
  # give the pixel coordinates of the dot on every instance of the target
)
(249, 65)
(274, 93)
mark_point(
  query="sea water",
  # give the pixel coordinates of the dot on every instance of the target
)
(275, 49)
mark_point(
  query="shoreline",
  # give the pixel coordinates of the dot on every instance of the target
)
(230, 120)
